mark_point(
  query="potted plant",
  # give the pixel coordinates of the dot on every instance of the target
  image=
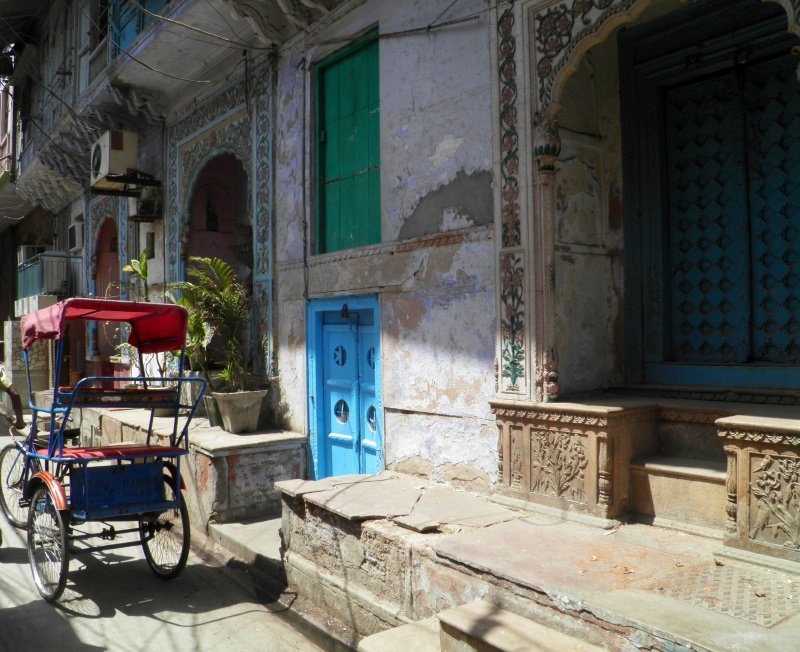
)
(158, 364)
(218, 304)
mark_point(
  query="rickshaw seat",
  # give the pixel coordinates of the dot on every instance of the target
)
(118, 452)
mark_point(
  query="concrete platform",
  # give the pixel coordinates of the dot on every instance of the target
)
(635, 586)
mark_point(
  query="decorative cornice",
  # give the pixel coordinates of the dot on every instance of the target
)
(574, 414)
(759, 436)
(691, 416)
(472, 234)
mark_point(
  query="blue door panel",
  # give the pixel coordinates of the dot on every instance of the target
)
(349, 413)
(369, 409)
(340, 379)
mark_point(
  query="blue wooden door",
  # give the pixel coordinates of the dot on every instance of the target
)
(733, 243)
(351, 423)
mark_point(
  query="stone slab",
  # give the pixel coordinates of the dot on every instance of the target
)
(256, 542)
(417, 636)
(297, 487)
(439, 507)
(479, 625)
(561, 557)
(381, 497)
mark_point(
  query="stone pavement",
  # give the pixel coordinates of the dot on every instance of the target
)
(632, 586)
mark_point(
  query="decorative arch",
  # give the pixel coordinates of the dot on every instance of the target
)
(236, 122)
(559, 34)
(192, 178)
(566, 30)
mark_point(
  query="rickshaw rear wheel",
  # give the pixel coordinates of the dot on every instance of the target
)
(47, 545)
(166, 536)
(12, 463)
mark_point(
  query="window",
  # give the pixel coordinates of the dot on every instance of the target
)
(92, 17)
(348, 149)
(130, 18)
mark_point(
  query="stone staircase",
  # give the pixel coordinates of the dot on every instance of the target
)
(681, 484)
(721, 468)
(478, 626)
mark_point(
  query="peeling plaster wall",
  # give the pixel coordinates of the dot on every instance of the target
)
(588, 227)
(434, 268)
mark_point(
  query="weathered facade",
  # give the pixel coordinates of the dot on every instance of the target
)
(452, 214)
(425, 281)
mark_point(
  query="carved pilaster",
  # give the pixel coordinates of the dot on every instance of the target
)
(547, 147)
(512, 252)
(604, 466)
(730, 490)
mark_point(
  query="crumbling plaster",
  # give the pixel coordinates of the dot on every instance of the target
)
(436, 296)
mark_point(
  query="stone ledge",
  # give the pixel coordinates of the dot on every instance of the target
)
(479, 624)
(209, 440)
(683, 467)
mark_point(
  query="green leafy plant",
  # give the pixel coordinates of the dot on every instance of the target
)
(216, 299)
(137, 269)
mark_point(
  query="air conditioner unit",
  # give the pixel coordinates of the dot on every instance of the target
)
(147, 207)
(26, 252)
(75, 237)
(114, 153)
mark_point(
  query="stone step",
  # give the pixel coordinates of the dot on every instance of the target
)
(483, 627)
(418, 636)
(675, 490)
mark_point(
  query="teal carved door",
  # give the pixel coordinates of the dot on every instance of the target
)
(733, 151)
(350, 422)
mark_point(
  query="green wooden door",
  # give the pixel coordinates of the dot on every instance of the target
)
(348, 112)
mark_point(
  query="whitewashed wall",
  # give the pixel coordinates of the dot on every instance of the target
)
(433, 270)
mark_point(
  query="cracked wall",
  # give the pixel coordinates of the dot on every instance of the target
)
(433, 270)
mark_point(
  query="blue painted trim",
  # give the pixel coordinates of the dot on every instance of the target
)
(315, 312)
(744, 376)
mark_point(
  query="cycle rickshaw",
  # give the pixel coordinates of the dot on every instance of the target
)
(54, 487)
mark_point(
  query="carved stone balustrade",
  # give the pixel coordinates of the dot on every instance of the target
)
(763, 484)
(571, 456)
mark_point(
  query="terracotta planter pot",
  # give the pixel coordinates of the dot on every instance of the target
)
(240, 411)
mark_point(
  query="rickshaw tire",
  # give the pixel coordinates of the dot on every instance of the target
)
(12, 462)
(152, 532)
(42, 504)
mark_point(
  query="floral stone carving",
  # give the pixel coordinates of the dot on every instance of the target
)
(558, 461)
(775, 501)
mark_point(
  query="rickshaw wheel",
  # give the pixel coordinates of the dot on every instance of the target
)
(12, 463)
(47, 545)
(165, 536)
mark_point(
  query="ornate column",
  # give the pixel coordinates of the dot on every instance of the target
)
(546, 148)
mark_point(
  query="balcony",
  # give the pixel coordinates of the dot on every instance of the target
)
(45, 279)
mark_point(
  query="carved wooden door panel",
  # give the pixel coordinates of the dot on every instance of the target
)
(733, 148)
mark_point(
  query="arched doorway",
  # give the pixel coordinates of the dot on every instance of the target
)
(220, 226)
(219, 215)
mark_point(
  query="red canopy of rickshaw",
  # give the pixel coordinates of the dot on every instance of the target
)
(155, 327)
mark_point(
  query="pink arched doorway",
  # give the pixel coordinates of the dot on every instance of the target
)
(219, 215)
(106, 281)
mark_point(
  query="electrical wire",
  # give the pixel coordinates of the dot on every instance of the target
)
(414, 30)
(197, 29)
